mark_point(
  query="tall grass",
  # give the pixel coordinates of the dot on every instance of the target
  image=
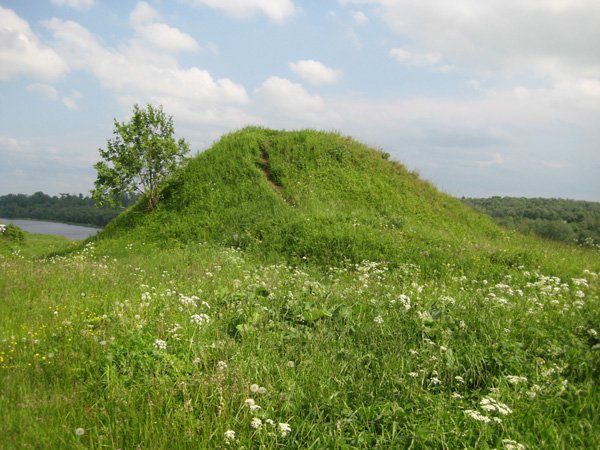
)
(351, 356)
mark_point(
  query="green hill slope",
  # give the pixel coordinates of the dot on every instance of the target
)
(309, 194)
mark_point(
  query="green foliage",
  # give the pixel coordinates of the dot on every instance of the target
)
(139, 158)
(64, 208)
(551, 218)
(12, 233)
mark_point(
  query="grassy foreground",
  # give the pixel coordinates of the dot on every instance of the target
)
(127, 345)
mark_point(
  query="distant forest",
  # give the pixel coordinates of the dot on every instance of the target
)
(63, 208)
(551, 218)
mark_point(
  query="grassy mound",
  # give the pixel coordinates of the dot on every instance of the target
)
(313, 195)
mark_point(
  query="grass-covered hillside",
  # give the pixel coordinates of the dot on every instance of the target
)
(299, 290)
(315, 195)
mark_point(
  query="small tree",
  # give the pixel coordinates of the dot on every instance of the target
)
(141, 155)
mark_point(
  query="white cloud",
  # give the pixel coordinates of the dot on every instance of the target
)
(22, 54)
(553, 39)
(46, 90)
(140, 73)
(276, 10)
(281, 97)
(415, 59)
(360, 18)
(143, 14)
(76, 4)
(314, 72)
(152, 31)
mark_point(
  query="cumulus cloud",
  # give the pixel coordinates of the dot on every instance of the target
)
(21, 52)
(145, 70)
(152, 31)
(276, 10)
(315, 72)
(76, 4)
(281, 97)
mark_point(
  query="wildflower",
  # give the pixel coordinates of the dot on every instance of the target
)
(221, 365)
(477, 416)
(262, 390)
(270, 422)
(456, 396)
(592, 332)
(256, 423)
(413, 374)
(284, 429)
(291, 364)
(405, 301)
(509, 444)
(160, 344)
(489, 404)
(254, 388)
(514, 379)
(459, 379)
(378, 320)
(251, 404)
(200, 319)
(79, 431)
(229, 435)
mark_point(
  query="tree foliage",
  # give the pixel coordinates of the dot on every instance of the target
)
(551, 218)
(142, 153)
(67, 208)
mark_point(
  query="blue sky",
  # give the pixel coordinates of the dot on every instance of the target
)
(500, 97)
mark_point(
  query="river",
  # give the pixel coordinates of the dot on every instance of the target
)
(75, 232)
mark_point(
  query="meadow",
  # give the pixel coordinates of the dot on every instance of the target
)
(416, 333)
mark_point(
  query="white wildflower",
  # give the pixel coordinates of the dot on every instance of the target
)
(592, 332)
(405, 301)
(199, 319)
(262, 390)
(229, 435)
(489, 404)
(256, 423)
(477, 416)
(284, 429)
(221, 365)
(509, 444)
(254, 388)
(514, 379)
(378, 320)
(291, 364)
(160, 344)
(79, 431)
(459, 379)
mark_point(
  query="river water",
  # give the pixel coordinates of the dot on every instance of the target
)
(75, 232)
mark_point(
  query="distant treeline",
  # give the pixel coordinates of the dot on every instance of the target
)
(63, 208)
(552, 218)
